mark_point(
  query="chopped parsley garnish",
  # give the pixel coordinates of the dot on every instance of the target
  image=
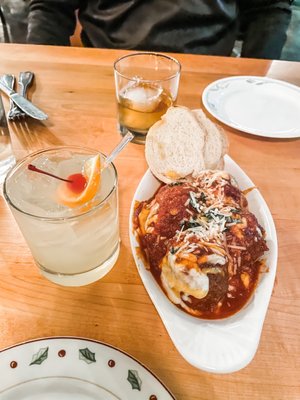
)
(203, 197)
(176, 184)
(173, 250)
(231, 220)
(191, 224)
(236, 210)
(214, 214)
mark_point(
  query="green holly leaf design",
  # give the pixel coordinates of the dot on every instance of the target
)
(40, 356)
(134, 379)
(87, 356)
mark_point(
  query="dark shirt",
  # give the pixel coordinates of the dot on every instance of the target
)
(183, 26)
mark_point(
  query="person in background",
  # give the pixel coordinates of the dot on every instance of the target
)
(13, 21)
(180, 26)
(291, 48)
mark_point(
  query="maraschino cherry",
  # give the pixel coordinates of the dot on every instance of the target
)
(75, 182)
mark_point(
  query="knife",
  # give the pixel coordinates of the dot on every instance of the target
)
(24, 104)
(7, 159)
(3, 123)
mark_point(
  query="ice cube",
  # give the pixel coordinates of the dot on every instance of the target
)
(141, 97)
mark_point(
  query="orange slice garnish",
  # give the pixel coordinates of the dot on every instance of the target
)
(69, 195)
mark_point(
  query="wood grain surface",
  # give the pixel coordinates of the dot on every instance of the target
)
(75, 87)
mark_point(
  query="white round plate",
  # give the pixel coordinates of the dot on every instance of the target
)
(226, 345)
(71, 368)
(258, 105)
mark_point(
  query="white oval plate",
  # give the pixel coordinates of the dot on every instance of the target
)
(221, 346)
(71, 368)
(258, 105)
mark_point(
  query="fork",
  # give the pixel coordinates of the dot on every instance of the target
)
(9, 80)
(25, 80)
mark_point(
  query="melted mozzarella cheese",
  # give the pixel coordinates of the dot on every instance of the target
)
(147, 217)
(179, 279)
(216, 259)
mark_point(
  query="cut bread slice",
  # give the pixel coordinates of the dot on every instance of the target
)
(174, 145)
(216, 143)
(184, 143)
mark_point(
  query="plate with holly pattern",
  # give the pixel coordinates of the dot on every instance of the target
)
(75, 368)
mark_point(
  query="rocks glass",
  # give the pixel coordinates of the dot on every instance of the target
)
(146, 86)
(71, 246)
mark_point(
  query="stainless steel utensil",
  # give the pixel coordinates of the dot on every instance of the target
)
(24, 104)
(7, 159)
(10, 82)
(3, 123)
(25, 80)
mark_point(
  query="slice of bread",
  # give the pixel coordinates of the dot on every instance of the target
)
(184, 143)
(174, 145)
(216, 143)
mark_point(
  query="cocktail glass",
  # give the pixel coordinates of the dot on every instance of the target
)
(146, 86)
(71, 246)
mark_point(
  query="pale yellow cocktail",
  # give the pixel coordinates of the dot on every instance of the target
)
(72, 245)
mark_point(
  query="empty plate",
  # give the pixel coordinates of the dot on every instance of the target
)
(257, 105)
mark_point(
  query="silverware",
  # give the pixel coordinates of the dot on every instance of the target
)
(24, 104)
(25, 80)
(7, 159)
(9, 80)
(3, 123)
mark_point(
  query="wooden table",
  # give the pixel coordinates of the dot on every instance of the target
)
(75, 87)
